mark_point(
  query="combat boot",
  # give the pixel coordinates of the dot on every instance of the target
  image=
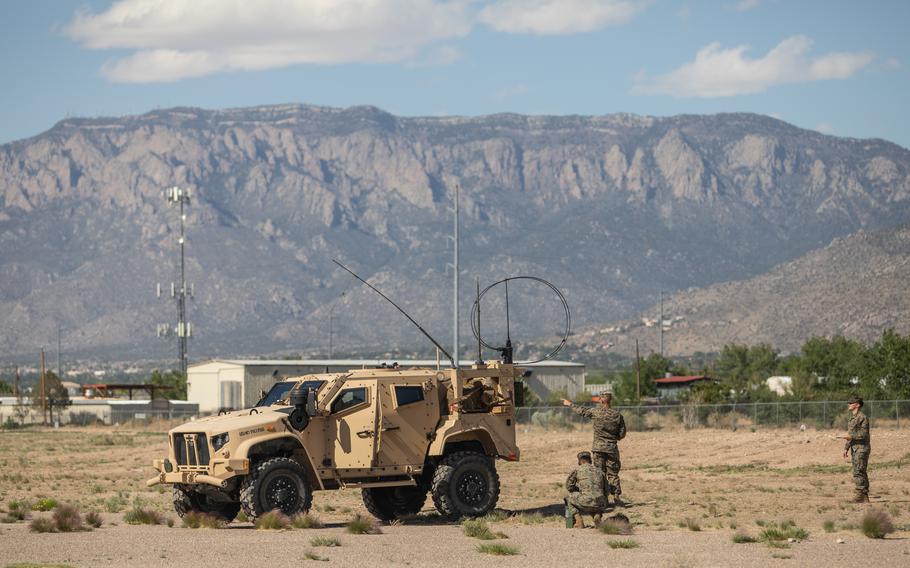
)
(860, 498)
(597, 519)
(579, 522)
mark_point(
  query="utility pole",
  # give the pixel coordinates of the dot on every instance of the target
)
(455, 268)
(59, 373)
(661, 324)
(43, 380)
(179, 292)
(637, 373)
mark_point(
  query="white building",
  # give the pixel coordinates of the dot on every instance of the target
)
(237, 383)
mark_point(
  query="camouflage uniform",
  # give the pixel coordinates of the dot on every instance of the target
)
(609, 428)
(586, 491)
(858, 446)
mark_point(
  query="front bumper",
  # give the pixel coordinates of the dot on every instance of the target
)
(217, 472)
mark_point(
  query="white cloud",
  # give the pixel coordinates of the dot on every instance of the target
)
(510, 92)
(558, 17)
(176, 39)
(718, 72)
(824, 128)
(745, 5)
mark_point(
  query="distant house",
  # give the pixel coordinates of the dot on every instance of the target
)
(669, 387)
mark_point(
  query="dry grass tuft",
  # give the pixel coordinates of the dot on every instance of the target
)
(306, 521)
(497, 549)
(477, 528)
(42, 525)
(876, 524)
(325, 541)
(94, 519)
(272, 521)
(615, 526)
(363, 525)
(67, 519)
(625, 543)
(141, 516)
(198, 520)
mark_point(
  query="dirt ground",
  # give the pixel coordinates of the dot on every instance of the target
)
(717, 481)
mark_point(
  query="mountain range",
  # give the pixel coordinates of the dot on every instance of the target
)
(611, 209)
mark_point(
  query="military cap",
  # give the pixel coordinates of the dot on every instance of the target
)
(584, 456)
(856, 400)
(606, 394)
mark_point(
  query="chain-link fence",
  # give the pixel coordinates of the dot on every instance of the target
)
(816, 414)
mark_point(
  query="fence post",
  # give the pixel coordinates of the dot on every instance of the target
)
(825, 414)
(800, 412)
(897, 412)
(755, 414)
(778, 413)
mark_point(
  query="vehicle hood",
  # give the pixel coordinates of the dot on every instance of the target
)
(239, 419)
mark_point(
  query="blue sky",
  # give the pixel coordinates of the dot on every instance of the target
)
(836, 66)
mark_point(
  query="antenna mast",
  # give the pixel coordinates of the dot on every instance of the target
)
(179, 291)
(455, 269)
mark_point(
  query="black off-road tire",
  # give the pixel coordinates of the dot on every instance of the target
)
(192, 501)
(390, 503)
(465, 484)
(277, 483)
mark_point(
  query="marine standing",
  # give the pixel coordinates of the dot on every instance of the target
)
(609, 429)
(586, 493)
(858, 448)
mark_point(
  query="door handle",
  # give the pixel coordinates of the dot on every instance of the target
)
(365, 434)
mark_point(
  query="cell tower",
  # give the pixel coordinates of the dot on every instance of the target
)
(179, 291)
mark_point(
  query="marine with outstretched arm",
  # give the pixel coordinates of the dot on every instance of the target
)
(609, 429)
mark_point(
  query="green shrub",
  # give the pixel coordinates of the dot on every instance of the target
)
(94, 519)
(828, 526)
(325, 541)
(626, 543)
(199, 520)
(497, 549)
(742, 538)
(362, 525)
(241, 517)
(690, 523)
(782, 531)
(306, 521)
(67, 519)
(140, 516)
(495, 516)
(115, 504)
(273, 520)
(44, 504)
(477, 528)
(876, 524)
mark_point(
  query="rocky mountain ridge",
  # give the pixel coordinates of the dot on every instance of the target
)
(613, 209)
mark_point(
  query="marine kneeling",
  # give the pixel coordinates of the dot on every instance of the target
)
(586, 493)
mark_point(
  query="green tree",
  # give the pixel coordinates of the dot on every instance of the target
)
(888, 366)
(174, 383)
(744, 369)
(836, 367)
(5, 388)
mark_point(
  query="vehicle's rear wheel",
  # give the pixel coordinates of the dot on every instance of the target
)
(188, 501)
(390, 503)
(465, 484)
(277, 483)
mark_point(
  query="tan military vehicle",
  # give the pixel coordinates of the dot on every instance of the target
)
(397, 434)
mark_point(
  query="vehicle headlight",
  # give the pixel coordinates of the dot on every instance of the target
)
(220, 440)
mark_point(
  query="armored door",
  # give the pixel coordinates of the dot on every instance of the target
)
(352, 428)
(407, 420)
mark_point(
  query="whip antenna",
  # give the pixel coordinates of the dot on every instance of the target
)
(404, 313)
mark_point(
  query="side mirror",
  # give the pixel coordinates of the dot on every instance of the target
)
(311, 402)
(519, 393)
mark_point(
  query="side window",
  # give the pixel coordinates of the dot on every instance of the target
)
(408, 394)
(348, 398)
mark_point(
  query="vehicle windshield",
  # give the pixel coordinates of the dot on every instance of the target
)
(280, 391)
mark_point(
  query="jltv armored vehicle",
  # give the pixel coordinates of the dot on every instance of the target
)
(397, 434)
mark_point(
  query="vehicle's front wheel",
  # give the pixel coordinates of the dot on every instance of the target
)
(188, 501)
(465, 484)
(390, 503)
(277, 483)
